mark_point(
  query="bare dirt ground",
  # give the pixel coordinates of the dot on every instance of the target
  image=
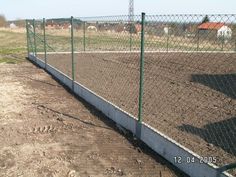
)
(188, 96)
(45, 131)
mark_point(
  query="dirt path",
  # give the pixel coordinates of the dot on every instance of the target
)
(45, 131)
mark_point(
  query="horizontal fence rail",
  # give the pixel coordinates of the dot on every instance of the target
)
(176, 73)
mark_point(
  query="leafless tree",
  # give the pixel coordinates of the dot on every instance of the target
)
(2, 21)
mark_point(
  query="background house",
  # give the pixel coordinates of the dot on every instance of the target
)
(213, 30)
(224, 32)
(12, 26)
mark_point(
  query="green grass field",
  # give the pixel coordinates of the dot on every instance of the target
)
(12, 46)
(13, 43)
(60, 41)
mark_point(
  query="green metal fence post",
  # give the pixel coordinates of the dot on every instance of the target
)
(72, 50)
(235, 45)
(222, 43)
(167, 45)
(44, 43)
(198, 40)
(141, 71)
(84, 37)
(35, 44)
(27, 35)
(130, 38)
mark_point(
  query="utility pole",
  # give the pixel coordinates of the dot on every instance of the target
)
(131, 21)
(131, 11)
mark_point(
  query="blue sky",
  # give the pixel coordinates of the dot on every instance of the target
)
(21, 9)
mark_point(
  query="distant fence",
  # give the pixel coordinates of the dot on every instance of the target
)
(176, 73)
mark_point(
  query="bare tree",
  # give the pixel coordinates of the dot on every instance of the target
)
(2, 21)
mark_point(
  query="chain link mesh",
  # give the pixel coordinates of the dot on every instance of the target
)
(58, 39)
(108, 60)
(189, 72)
(189, 82)
(39, 38)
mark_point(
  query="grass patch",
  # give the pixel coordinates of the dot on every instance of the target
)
(116, 41)
(11, 60)
(7, 60)
(8, 51)
(12, 47)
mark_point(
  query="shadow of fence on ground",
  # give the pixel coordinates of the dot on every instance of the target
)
(225, 83)
(221, 134)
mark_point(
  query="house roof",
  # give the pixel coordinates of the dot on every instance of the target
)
(210, 26)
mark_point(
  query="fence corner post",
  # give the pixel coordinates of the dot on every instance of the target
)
(27, 36)
(44, 43)
(35, 44)
(72, 50)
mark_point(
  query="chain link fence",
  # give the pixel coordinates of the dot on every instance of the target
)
(176, 73)
(105, 61)
(190, 82)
